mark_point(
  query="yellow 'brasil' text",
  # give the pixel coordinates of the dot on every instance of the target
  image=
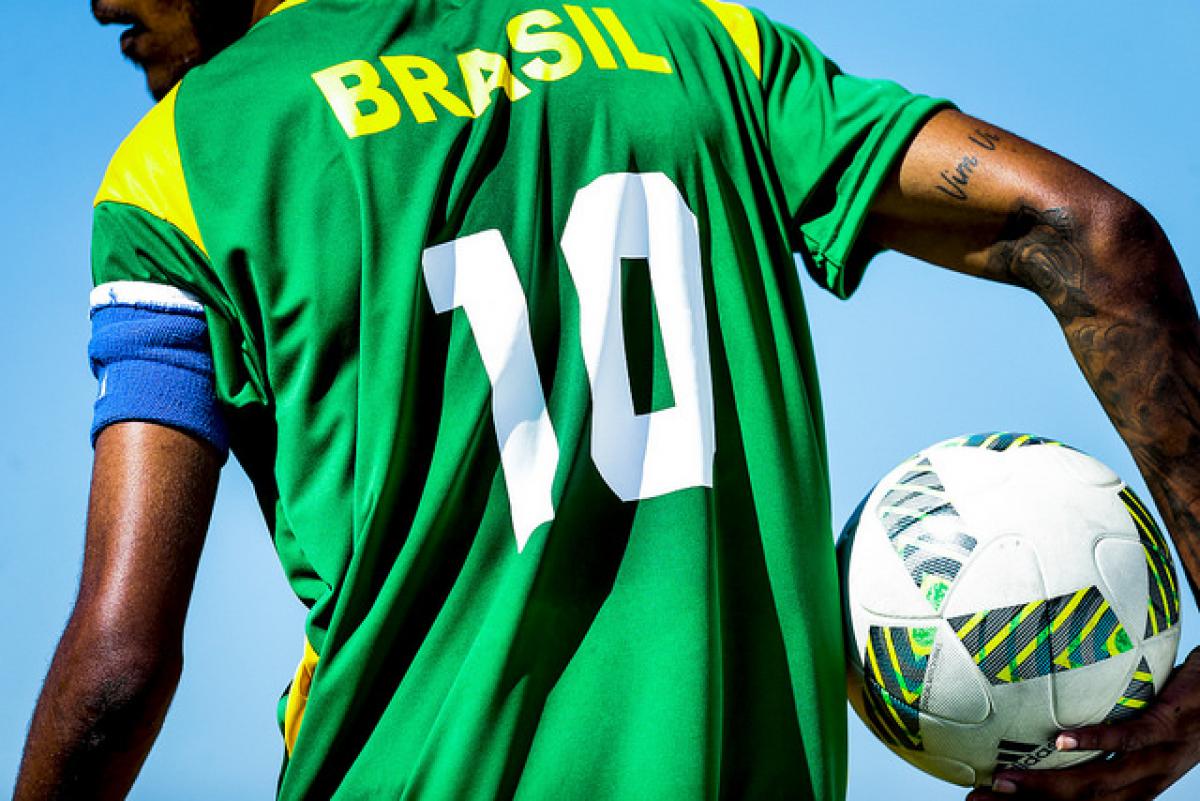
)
(363, 105)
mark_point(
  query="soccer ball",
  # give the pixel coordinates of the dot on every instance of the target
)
(997, 589)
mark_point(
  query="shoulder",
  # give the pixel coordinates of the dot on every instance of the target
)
(147, 172)
(742, 28)
(201, 125)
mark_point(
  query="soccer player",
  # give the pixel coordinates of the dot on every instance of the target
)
(495, 303)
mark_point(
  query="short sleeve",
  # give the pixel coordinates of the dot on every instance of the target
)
(834, 139)
(130, 244)
(144, 230)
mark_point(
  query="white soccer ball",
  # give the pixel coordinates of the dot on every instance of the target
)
(999, 588)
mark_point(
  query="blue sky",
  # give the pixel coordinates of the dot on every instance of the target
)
(1109, 84)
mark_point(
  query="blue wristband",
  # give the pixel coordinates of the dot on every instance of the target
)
(151, 354)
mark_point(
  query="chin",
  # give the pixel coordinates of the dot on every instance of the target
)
(159, 87)
(161, 77)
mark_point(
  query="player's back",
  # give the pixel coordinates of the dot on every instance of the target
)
(506, 323)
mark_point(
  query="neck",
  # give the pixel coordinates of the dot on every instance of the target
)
(262, 8)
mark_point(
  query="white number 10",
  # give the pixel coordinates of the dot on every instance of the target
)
(619, 216)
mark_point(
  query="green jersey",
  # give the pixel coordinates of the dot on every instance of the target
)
(509, 336)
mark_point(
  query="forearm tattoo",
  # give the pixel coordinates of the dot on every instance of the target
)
(1140, 351)
(1040, 251)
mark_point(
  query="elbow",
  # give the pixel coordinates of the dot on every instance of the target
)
(134, 688)
(1097, 253)
(1121, 229)
(118, 680)
(1131, 264)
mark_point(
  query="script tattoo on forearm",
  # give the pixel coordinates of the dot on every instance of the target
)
(954, 182)
(1141, 354)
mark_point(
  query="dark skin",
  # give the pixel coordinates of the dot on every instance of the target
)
(967, 196)
(166, 38)
(118, 663)
(119, 660)
(1023, 216)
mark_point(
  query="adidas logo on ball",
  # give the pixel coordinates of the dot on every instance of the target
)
(1022, 755)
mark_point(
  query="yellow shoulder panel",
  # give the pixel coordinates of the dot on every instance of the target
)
(147, 172)
(285, 5)
(744, 30)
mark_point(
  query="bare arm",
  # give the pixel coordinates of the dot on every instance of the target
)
(119, 660)
(1021, 215)
(973, 198)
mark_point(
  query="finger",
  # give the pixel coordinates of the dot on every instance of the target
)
(1119, 738)
(988, 794)
(980, 794)
(1108, 779)
(1146, 789)
(984, 794)
(1004, 793)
